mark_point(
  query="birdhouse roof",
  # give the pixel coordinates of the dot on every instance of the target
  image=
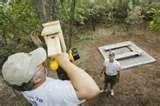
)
(51, 28)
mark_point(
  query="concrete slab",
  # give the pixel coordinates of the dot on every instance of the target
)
(127, 53)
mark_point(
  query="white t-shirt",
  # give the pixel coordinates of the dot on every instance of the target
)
(53, 92)
(112, 68)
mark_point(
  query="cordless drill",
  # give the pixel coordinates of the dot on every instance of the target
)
(54, 40)
(54, 66)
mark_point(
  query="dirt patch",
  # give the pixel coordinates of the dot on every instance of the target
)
(138, 85)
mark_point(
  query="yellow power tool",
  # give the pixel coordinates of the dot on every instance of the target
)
(54, 66)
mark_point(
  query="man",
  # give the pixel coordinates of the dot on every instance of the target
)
(26, 73)
(112, 72)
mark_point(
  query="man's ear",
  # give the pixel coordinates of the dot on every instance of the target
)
(36, 80)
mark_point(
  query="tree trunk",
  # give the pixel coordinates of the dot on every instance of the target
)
(72, 16)
(46, 10)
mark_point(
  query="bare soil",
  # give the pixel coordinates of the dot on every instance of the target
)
(138, 86)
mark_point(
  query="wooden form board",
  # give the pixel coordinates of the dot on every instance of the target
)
(53, 37)
(130, 55)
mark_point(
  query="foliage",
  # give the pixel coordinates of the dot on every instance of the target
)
(17, 20)
(112, 11)
(155, 23)
(85, 9)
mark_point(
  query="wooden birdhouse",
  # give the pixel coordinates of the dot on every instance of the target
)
(53, 37)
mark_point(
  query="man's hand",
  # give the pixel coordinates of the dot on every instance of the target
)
(35, 38)
(62, 59)
(102, 72)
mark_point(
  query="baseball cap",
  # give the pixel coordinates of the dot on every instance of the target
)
(19, 68)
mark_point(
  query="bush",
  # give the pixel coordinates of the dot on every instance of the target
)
(155, 23)
(17, 20)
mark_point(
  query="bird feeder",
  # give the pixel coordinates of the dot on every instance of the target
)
(53, 37)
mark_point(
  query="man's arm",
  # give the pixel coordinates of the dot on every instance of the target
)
(36, 40)
(119, 69)
(118, 73)
(104, 66)
(103, 69)
(85, 86)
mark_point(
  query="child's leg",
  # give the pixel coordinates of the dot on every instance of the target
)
(112, 85)
(113, 81)
(105, 82)
(105, 86)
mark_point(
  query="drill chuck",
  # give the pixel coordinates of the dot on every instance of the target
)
(72, 54)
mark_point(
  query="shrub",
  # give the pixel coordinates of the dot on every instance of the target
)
(155, 23)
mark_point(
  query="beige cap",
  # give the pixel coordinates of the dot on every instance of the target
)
(21, 67)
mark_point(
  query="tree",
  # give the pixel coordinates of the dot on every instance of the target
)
(17, 21)
(46, 10)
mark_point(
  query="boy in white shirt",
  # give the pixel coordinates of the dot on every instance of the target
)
(25, 72)
(112, 72)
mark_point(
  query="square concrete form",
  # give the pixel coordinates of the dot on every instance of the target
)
(127, 53)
